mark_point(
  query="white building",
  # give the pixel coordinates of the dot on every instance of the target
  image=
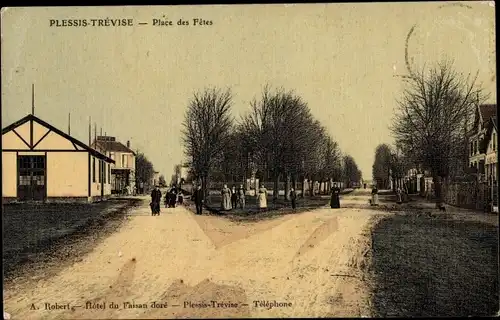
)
(123, 170)
(42, 163)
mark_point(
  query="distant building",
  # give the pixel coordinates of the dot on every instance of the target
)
(485, 114)
(123, 171)
(156, 178)
(42, 163)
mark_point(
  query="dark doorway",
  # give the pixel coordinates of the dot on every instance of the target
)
(31, 180)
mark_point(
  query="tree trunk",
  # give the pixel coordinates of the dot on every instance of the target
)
(303, 179)
(311, 187)
(204, 187)
(287, 186)
(276, 187)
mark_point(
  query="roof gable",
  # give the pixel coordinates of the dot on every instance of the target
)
(112, 146)
(487, 111)
(492, 127)
(41, 132)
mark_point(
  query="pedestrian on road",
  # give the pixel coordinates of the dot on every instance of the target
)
(180, 197)
(262, 197)
(234, 197)
(198, 199)
(155, 201)
(226, 198)
(293, 198)
(172, 198)
(335, 198)
(374, 196)
(241, 197)
(399, 197)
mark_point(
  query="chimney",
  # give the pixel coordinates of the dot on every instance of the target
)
(128, 144)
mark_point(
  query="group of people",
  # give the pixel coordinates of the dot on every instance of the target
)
(232, 198)
(172, 197)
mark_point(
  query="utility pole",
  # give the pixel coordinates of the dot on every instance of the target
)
(33, 99)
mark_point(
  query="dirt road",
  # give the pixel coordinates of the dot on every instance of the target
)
(302, 265)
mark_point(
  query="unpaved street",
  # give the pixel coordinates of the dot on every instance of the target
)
(311, 263)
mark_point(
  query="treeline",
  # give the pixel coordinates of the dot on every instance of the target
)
(277, 140)
(389, 166)
(144, 169)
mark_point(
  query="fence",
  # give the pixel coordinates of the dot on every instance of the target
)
(472, 195)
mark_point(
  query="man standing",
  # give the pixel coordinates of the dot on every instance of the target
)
(198, 199)
(234, 197)
(241, 197)
(155, 201)
(293, 198)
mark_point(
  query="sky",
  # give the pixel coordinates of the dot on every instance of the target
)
(135, 82)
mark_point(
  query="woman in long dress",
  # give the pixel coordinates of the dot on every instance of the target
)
(335, 199)
(226, 198)
(262, 198)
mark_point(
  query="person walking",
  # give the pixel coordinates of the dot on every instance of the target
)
(262, 197)
(155, 201)
(335, 197)
(241, 197)
(180, 197)
(198, 199)
(293, 198)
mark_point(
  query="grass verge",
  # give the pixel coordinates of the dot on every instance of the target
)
(431, 266)
(46, 252)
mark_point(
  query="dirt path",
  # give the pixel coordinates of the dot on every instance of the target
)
(311, 263)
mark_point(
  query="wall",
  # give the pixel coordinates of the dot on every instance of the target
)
(67, 174)
(9, 174)
(96, 186)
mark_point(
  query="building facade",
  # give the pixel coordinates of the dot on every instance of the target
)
(477, 153)
(123, 169)
(39, 163)
(483, 158)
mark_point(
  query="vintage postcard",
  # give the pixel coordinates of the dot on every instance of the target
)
(250, 161)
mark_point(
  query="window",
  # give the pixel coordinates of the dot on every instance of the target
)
(105, 172)
(112, 155)
(93, 169)
(494, 141)
(471, 149)
(124, 161)
(475, 147)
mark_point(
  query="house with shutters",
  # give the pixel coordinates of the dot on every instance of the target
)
(43, 163)
(123, 169)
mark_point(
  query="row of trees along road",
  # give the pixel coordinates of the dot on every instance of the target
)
(389, 165)
(144, 170)
(278, 139)
(432, 122)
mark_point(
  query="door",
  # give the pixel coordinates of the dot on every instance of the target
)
(31, 181)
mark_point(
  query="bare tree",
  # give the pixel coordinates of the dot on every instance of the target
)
(144, 169)
(277, 130)
(207, 127)
(351, 172)
(431, 120)
(381, 169)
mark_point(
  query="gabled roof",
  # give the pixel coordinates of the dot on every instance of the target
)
(31, 117)
(491, 125)
(487, 111)
(113, 146)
